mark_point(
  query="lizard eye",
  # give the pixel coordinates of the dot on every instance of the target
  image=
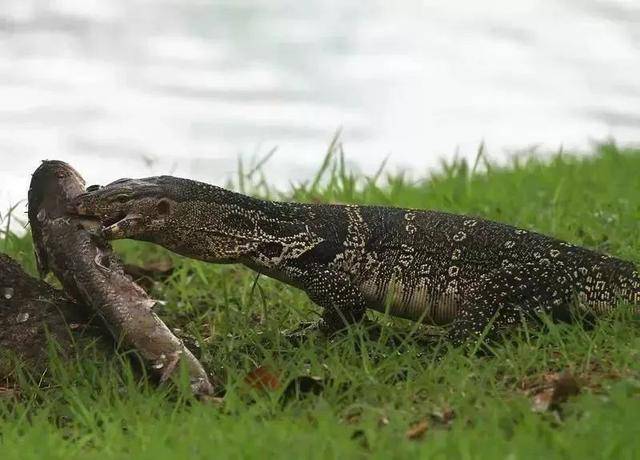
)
(164, 206)
(122, 198)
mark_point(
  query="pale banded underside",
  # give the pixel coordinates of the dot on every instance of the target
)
(419, 302)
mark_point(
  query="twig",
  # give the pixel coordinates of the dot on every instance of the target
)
(89, 271)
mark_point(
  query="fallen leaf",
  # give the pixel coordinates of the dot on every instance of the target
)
(565, 386)
(417, 430)
(558, 387)
(444, 415)
(8, 393)
(262, 378)
(542, 401)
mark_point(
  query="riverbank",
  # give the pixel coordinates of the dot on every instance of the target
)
(564, 393)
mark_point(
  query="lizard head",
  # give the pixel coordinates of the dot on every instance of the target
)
(127, 208)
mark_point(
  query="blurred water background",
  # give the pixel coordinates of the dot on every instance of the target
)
(144, 87)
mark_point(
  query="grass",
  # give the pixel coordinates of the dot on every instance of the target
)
(386, 398)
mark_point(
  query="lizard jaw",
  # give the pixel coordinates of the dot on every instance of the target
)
(124, 227)
(110, 221)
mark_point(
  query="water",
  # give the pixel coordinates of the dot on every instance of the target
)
(137, 88)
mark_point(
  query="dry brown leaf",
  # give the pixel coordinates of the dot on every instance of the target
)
(565, 386)
(558, 387)
(8, 393)
(444, 415)
(417, 430)
(262, 378)
(542, 401)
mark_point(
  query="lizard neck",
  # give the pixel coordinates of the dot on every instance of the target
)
(217, 225)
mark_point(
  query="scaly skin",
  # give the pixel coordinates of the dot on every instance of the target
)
(440, 268)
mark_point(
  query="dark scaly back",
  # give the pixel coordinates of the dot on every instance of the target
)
(413, 259)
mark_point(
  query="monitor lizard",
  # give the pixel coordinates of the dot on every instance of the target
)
(477, 275)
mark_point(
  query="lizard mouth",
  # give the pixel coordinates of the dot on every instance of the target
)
(122, 226)
(114, 219)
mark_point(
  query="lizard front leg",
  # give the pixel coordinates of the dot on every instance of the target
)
(343, 303)
(506, 297)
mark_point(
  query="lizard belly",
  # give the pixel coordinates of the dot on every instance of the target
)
(419, 302)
